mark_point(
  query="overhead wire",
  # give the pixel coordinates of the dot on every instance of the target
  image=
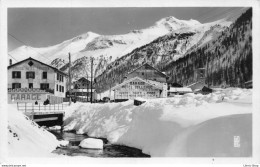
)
(26, 45)
(13, 57)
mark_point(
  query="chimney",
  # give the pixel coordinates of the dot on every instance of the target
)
(10, 61)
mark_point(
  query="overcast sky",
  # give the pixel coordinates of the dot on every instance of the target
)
(41, 27)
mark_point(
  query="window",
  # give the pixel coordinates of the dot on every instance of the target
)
(57, 87)
(16, 85)
(30, 74)
(60, 88)
(30, 85)
(44, 86)
(16, 74)
(44, 75)
(58, 76)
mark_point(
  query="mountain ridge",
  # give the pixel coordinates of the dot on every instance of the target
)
(107, 49)
(228, 55)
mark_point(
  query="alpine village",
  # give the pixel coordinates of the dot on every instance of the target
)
(137, 93)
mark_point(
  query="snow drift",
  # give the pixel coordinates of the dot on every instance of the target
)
(92, 143)
(176, 126)
(26, 138)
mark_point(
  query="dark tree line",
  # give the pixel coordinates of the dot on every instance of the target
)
(227, 59)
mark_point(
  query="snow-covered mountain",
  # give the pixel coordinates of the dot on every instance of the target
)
(224, 49)
(48, 54)
(107, 48)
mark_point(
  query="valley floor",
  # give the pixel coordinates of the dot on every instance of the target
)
(185, 125)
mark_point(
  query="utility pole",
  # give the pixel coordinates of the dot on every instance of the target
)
(69, 81)
(87, 87)
(86, 95)
(91, 82)
(110, 92)
(208, 71)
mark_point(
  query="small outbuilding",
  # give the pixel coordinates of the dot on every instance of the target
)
(178, 91)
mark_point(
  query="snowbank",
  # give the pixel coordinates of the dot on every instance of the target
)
(26, 138)
(91, 143)
(170, 126)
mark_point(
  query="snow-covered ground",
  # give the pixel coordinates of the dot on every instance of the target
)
(26, 138)
(184, 125)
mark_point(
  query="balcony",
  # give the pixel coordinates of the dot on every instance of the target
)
(31, 90)
(49, 90)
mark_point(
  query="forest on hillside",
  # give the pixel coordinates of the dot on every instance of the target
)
(227, 58)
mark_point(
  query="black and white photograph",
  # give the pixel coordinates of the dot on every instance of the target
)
(130, 81)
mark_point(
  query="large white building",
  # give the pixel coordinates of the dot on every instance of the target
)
(138, 87)
(145, 82)
(35, 76)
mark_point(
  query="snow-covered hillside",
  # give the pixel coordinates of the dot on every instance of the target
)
(185, 125)
(181, 52)
(26, 138)
(48, 54)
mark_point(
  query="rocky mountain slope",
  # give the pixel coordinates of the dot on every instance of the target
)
(226, 52)
(170, 44)
(103, 48)
(227, 59)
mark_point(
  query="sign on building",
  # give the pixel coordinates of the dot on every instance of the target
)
(26, 95)
(137, 87)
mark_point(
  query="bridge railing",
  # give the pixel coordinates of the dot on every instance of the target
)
(31, 107)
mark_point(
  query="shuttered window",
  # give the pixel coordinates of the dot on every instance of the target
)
(44, 86)
(30, 85)
(30, 74)
(16, 74)
(16, 85)
(44, 75)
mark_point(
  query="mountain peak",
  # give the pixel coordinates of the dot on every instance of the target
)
(171, 20)
(89, 35)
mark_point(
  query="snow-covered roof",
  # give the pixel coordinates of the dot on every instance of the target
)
(182, 89)
(140, 99)
(156, 83)
(148, 65)
(83, 90)
(150, 82)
